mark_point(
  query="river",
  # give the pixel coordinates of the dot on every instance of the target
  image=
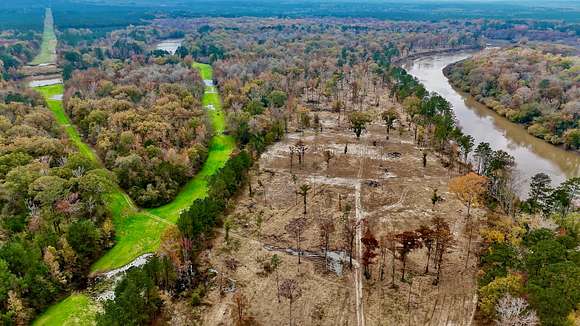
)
(531, 154)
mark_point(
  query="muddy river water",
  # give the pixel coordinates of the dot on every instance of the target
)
(532, 155)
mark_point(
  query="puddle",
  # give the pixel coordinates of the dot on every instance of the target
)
(169, 45)
(45, 82)
(336, 260)
(111, 278)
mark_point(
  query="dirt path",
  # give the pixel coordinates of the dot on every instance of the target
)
(360, 316)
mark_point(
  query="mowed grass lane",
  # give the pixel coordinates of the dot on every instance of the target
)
(48, 46)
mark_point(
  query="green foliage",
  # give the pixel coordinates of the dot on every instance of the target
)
(555, 291)
(136, 301)
(490, 294)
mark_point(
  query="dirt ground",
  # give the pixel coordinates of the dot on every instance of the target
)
(391, 193)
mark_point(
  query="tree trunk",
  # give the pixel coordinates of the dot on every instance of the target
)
(404, 265)
(428, 258)
(393, 271)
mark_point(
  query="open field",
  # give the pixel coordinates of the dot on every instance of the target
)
(47, 53)
(386, 186)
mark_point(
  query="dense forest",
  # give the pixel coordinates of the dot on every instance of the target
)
(54, 220)
(536, 86)
(146, 123)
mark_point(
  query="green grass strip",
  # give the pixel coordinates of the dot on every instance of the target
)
(77, 309)
(61, 117)
(48, 46)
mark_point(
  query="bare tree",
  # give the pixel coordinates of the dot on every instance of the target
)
(301, 149)
(295, 228)
(349, 233)
(290, 290)
(515, 312)
(328, 155)
(275, 262)
(241, 304)
(326, 228)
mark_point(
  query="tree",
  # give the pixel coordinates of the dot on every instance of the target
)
(466, 142)
(349, 233)
(427, 237)
(468, 188)
(328, 155)
(358, 122)
(84, 238)
(555, 291)
(275, 262)
(483, 154)
(290, 290)
(295, 228)
(409, 241)
(326, 227)
(514, 311)
(371, 244)
(304, 189)
(443, 241)
(435, 198)
(490, 294)
(136, 301)
(540, 193)
(389, 116)
(242, 303)
(301, 149)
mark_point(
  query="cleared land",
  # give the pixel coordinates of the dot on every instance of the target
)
(387, 179)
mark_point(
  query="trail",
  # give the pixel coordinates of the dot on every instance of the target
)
(360, 316)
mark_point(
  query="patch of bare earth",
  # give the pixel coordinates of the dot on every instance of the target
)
(395, 195)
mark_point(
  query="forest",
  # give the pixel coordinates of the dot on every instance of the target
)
(54, 219)
(536, 86)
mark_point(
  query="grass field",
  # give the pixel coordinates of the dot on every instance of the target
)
(137, 231)
(77, 309)
(48, 47)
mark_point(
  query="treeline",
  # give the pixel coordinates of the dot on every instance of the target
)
(174, 273)
(53, 217)
(16, 49)
(532, 86)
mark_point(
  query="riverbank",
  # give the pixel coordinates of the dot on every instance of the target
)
(531, 154)
(447, 71)
(414, 56)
